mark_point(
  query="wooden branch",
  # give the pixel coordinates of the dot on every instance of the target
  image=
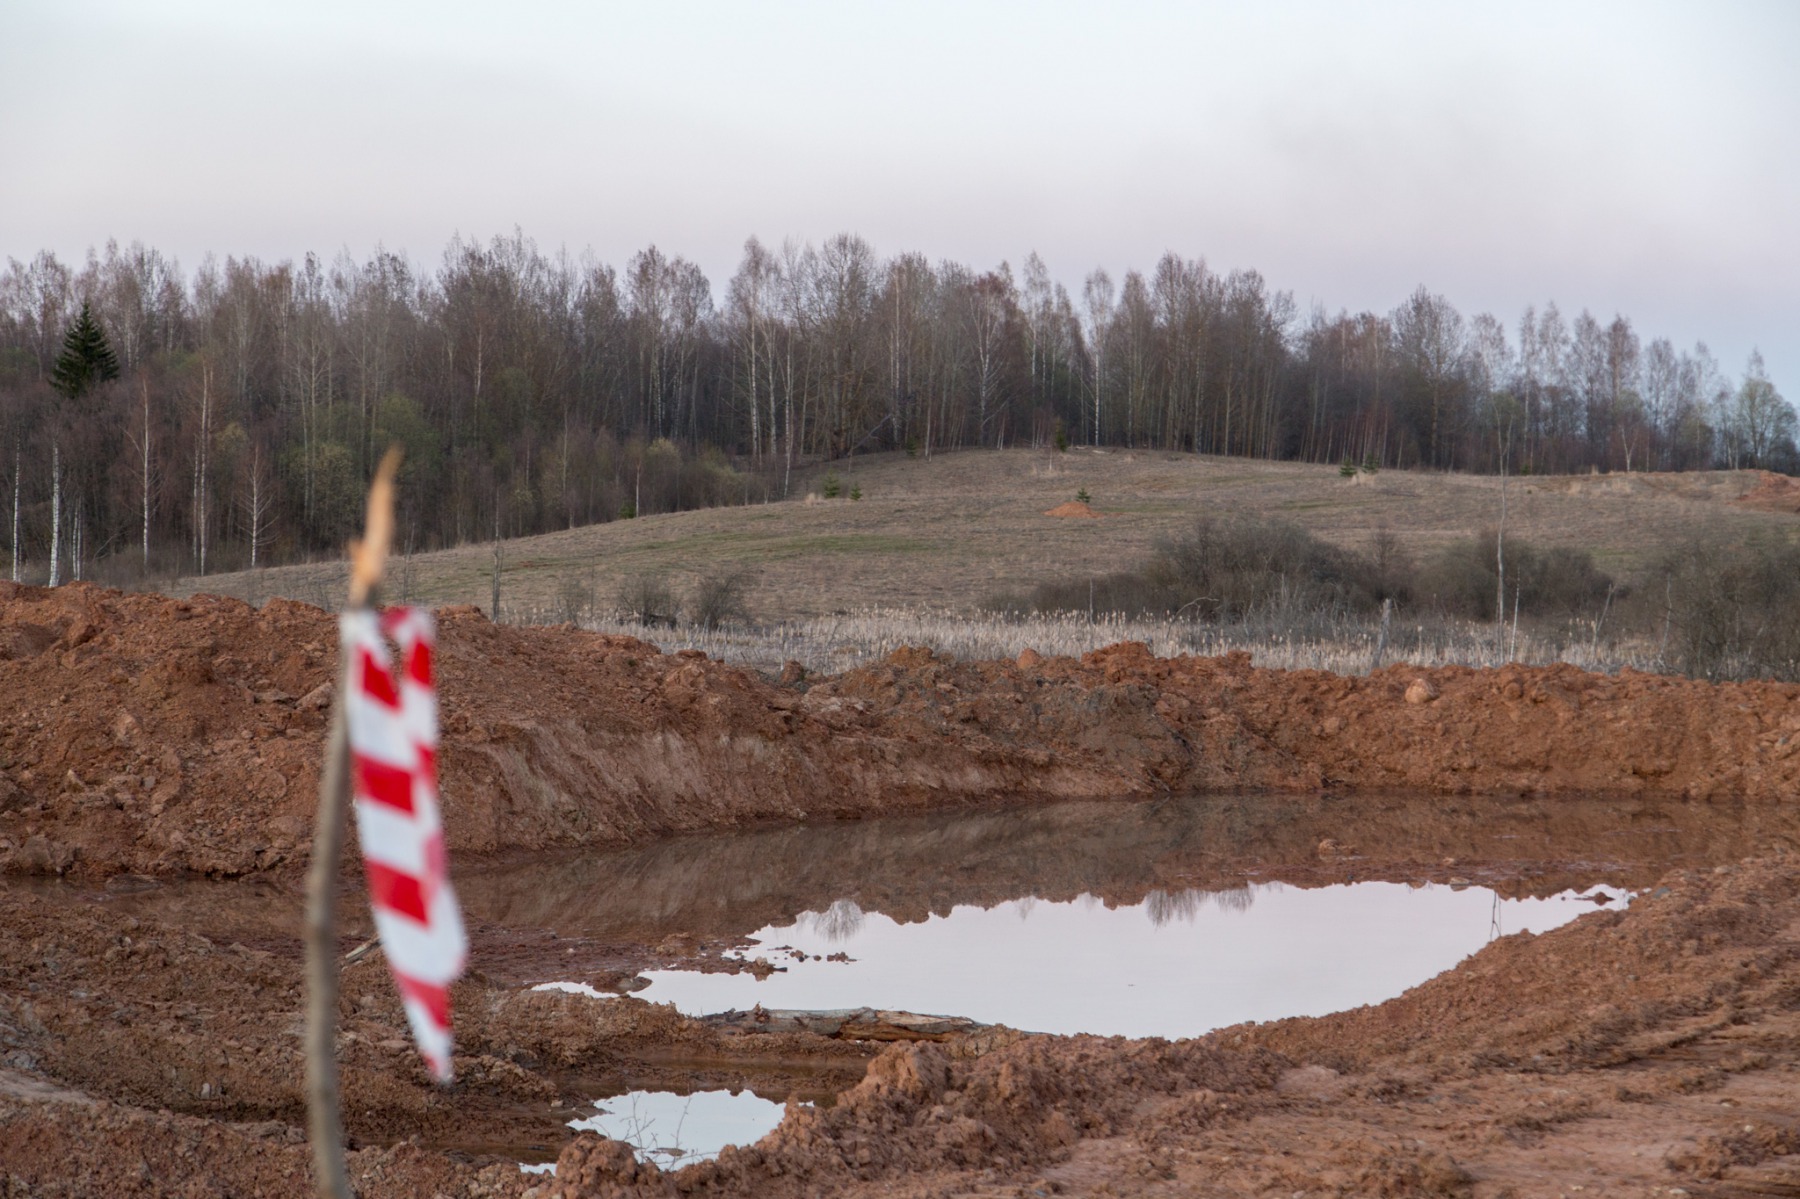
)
(325, 1126)
(368, 556)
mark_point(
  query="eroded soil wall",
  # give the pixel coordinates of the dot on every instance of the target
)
(156, 736)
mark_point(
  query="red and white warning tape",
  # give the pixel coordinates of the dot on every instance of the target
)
(392, 720)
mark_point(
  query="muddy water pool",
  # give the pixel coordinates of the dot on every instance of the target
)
(1173, 965)
(734, 884)
(1167, 918)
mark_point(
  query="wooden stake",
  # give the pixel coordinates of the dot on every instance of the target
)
(325, 1125)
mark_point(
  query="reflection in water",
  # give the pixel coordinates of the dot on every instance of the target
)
(912, 868)
(1164, 906)
(675, 1130)
(839, 922)
(1177, 964)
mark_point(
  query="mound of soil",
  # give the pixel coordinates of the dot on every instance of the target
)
(157, 736)
(1074, 508)
(1772, 493)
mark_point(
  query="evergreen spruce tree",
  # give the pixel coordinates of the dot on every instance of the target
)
(86, 360)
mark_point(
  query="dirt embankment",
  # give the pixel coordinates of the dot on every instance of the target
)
(155, 736)
(1627, 1053)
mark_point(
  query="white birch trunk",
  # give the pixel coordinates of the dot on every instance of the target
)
(146, 464)
(55, 514)
(201, 465)
(255, 505)
(15, 525)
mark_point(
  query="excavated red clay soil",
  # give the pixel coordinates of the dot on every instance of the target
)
(142, 738)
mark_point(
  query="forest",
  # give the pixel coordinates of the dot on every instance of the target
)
(227, 417)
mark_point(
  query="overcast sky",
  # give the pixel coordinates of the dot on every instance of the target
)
(1637, 157)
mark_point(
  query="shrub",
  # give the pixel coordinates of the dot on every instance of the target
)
(1060, 439)
(1394, 572)
(719, 598)
(574, 598)
(1347, 469)
(832, 486)
(1125, 593)
(855, 491)
(1462, 579)
(1730, 608)
(647, 599)
(1230, 568)
(1082, 497)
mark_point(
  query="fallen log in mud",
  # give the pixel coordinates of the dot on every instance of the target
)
(157, 736)
(847, 1024)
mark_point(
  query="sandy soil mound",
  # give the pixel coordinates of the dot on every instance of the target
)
(1773, 493)
(1074, 508)
(157, 736)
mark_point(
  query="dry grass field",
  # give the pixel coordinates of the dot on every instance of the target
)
(943, 535)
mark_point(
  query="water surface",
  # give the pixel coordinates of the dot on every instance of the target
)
(1173, 965)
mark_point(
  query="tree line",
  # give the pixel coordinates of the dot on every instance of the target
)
(247, 401)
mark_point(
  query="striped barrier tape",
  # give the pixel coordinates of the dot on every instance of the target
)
(392, 722)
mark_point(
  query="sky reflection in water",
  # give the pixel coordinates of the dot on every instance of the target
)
(1175, 965)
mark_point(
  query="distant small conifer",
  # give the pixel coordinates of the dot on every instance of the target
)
(86, 360)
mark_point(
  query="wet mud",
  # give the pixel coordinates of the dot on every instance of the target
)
(149, 1026)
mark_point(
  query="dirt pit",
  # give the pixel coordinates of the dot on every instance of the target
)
(149, 1019)
(212, 1030)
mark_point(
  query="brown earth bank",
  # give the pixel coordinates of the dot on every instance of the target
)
(159, 736)
(1627, 1053)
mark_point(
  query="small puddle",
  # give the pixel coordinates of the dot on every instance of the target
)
(675, 1130)
(1173, 965)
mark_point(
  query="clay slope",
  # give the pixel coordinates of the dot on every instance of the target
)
(156, 735)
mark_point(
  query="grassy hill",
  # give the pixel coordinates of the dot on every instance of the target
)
(944, 534)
